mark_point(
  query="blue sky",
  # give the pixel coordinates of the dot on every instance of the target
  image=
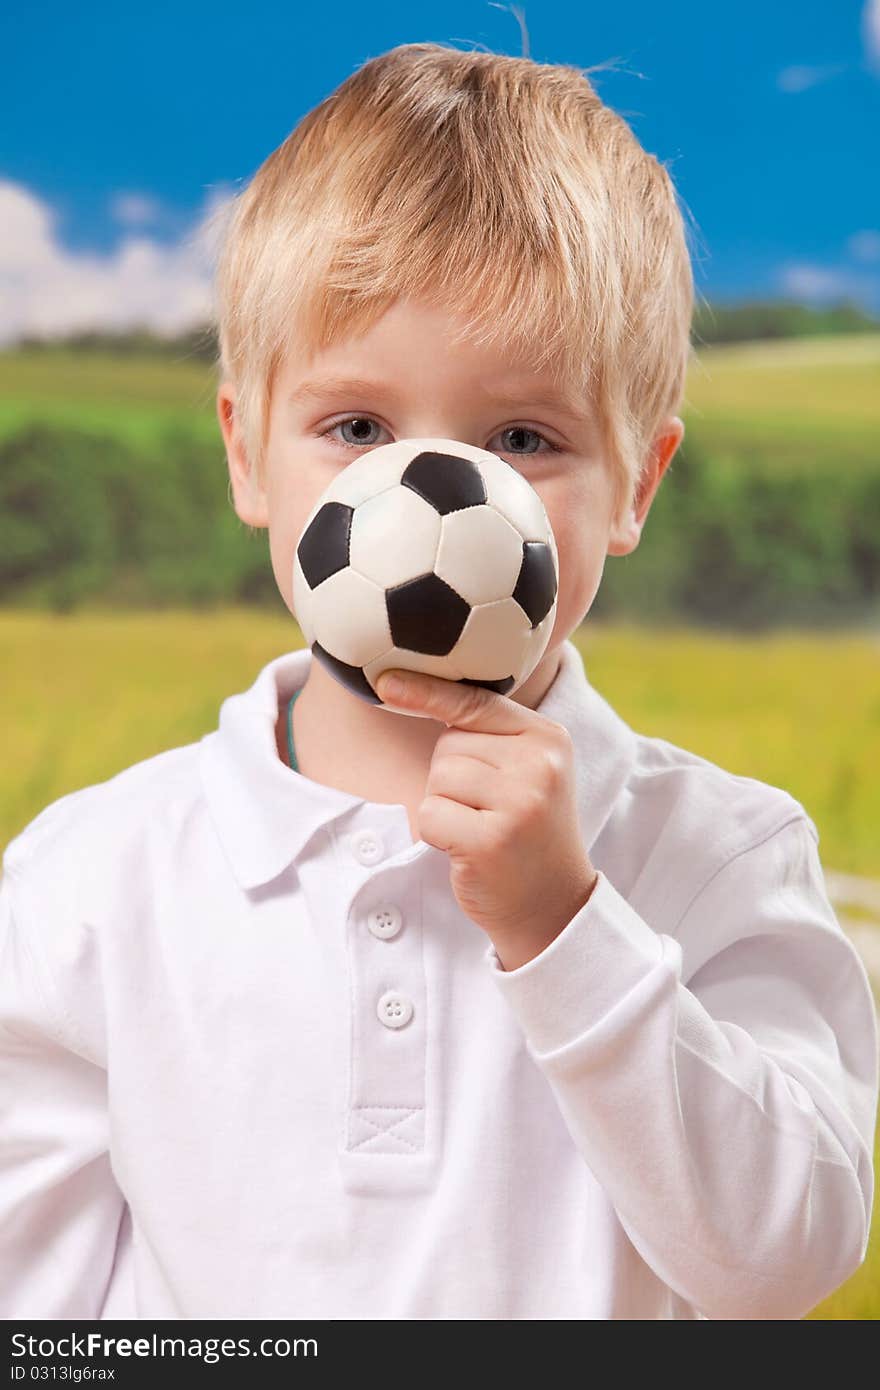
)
(123, 128)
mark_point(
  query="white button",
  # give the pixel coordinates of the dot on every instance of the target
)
(394, 1009)
(367, 847)
(385, 922)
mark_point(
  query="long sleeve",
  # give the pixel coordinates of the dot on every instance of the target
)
(60, 1207)
(719, 1078)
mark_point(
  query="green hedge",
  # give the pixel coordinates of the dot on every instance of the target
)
(85, 517)
(745, 546)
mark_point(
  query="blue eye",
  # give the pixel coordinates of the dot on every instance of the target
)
(524, 429)
(351, 419)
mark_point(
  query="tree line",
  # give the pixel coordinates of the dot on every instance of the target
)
(728, 542)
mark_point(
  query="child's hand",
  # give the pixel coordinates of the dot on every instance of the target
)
(500, 798)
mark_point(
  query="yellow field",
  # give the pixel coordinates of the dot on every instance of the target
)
(89, 694)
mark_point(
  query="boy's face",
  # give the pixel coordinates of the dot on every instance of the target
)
(421, 387)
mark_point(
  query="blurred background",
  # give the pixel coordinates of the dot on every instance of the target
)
(745, 627)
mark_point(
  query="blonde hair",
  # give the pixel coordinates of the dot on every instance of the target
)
(494, 184)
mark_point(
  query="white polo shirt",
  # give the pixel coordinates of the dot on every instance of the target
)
(256, 1063)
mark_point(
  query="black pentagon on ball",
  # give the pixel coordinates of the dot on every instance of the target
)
(323, 546)
(501, 686)
(536, 585)
(448, 482)
(352, 677)
(426, 615)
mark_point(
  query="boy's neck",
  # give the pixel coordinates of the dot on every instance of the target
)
(367, 750)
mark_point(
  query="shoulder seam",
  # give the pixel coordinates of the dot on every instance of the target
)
(64, 1029)
(745, 849)
(695, 760)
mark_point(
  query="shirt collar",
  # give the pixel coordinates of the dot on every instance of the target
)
(265, 813)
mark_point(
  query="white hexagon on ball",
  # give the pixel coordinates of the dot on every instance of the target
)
(368, 475)
(514, 498)
(349, 612)
(494, 641)
(389, 560)
(480, 554)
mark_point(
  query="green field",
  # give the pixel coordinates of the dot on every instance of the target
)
(796, 400)
(801, 398)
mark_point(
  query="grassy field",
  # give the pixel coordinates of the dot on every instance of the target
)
(90, 693)
(132, 398)
(794, 400)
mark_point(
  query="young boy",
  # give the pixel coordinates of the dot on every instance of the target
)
(467, 1006)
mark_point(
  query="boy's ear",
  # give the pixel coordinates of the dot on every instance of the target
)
(625, 535)
(249, 497)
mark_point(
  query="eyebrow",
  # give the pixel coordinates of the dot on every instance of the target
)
(321, 388)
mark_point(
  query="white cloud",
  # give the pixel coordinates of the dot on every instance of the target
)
(871, 30)
(135, 209)
(801, 77)
(48, 291)
(864, 246)
(823, 284)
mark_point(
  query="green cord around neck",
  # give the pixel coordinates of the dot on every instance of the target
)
(290, 753)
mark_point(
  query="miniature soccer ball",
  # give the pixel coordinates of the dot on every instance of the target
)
(429, 555)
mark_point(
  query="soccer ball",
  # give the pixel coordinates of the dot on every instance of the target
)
(429, 555)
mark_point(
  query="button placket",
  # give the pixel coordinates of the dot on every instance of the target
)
(388, 1058)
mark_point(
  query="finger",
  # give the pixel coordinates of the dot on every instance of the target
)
(449, 825)
(453, 702)
(466, 780)
(491, 749)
